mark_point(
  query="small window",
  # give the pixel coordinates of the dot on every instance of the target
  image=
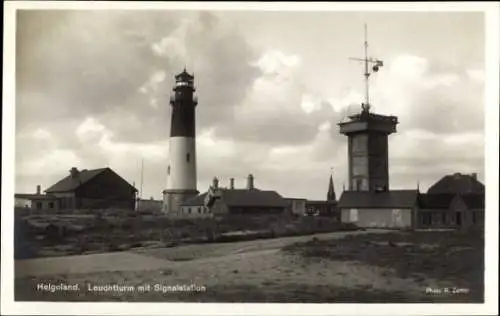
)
(199, 210)
(189, 210)
(51, 204)
(39, 205)
(426, 219)
(188, 157)
(168, 170)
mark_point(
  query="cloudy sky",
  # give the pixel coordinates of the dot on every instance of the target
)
(92, 90)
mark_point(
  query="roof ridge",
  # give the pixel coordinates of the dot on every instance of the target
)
(68, 183)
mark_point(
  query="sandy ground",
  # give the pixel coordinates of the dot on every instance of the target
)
(220, 269)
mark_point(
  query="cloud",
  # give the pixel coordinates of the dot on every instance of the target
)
(278, 108)
(93, 90)
(41, 135)
(131, 71)
(90, 131)
(448, 101)
(274, 62)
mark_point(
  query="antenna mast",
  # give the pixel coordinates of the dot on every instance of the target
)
(142, 175)
(367, 74)
(367, 60)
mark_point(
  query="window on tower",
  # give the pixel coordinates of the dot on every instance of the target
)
(168, 170)
(358, 185)
(188, 157)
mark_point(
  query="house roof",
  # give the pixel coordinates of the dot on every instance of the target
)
(475, 201)
(435, 201)
(316, 202)
(443, 201)
(457, 183)
(69, 184)
(388, 199)
(243, 198)
(29, 196)
(25, 195)
(295, 199)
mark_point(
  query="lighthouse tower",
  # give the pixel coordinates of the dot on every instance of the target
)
(181, 169)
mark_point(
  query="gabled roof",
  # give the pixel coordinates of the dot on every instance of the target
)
(435, 201)
(69, 184)
(457, 183)
(295, 199)
(25, 195)
(28, 196)
(388, 199)
(243, 198)
(317, 202)
(474, 201)
(443, 201)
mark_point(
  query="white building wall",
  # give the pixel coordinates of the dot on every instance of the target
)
(181, 170)
(21, 202)
(298, 206)
(391, 218)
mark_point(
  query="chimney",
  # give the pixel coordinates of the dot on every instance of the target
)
(231, 183)
(215, 183)
(250, 182)
(74, 172)
(474, 176)
(38, 189)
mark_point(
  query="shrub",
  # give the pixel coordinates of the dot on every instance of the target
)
(113, 247)
(348, 227)
(135, 245)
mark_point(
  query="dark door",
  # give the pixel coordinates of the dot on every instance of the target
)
(458, 218)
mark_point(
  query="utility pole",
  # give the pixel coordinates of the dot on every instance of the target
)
(142, 176)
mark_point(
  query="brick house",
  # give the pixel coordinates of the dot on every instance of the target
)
(455, 200)
(91, 189)
(450, 210)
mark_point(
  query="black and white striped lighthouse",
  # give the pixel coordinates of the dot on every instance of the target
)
(181, 169)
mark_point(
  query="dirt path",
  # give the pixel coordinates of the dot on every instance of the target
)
(246, 268)
(152, 259)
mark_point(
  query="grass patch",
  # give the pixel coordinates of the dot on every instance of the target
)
(454, 256)
(83, 231)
